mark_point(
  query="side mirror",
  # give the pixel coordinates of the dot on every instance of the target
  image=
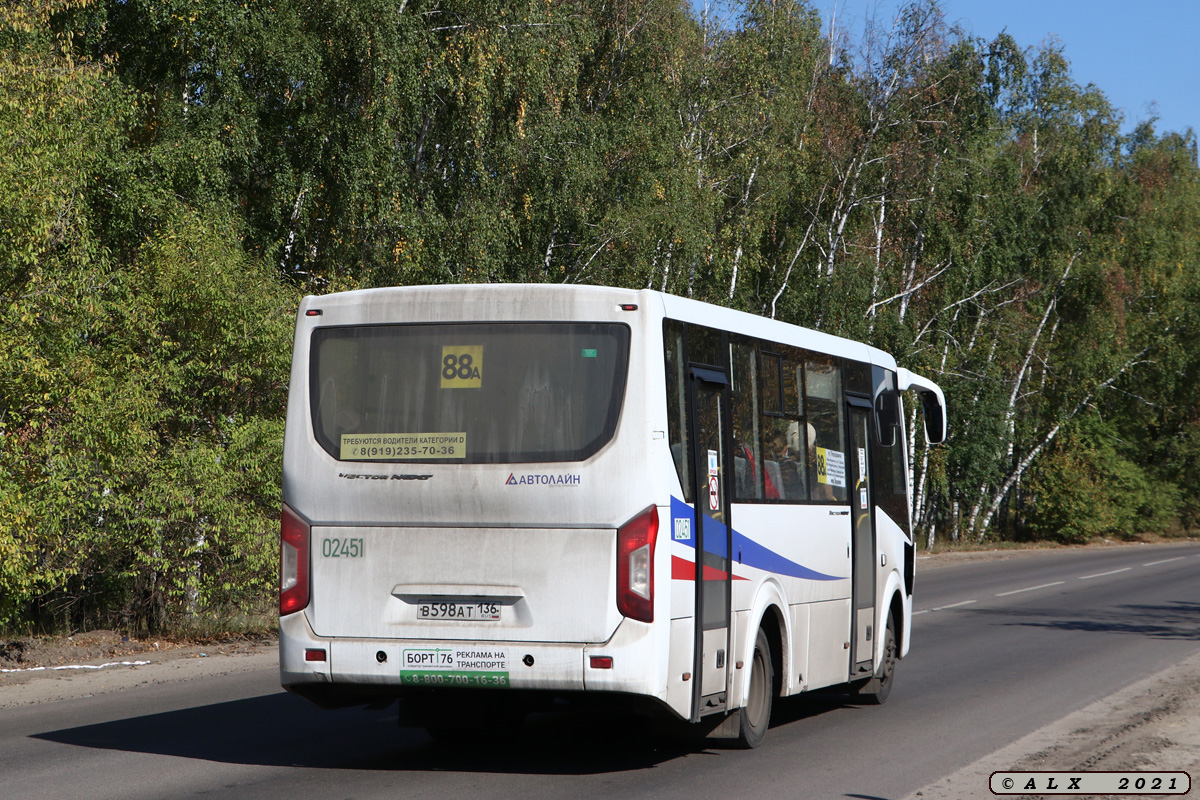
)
(935, 417)
(933, 403)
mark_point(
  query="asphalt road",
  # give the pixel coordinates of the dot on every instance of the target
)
(1000, 648)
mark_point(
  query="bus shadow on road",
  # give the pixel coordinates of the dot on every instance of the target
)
(1178, 621)
(278, 730)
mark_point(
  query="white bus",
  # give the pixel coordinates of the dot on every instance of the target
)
(499, 495)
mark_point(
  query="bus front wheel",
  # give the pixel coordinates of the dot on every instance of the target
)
(756, 715)
(876, 690)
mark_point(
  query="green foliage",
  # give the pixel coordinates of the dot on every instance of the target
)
(1087, 489)
(203, 337)
(57, 115)
(153, 489)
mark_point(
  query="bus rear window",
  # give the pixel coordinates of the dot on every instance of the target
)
(469, 393)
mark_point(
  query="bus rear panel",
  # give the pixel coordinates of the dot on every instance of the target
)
(463, 485)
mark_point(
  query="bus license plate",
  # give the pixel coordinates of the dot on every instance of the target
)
(470, 612)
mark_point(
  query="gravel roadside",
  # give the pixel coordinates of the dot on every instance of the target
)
(61, 668)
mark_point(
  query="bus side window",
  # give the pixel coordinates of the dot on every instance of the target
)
(781, 425)
(823, 400)
(784, 459)
(747, 454)
(677, 432)
(794, 464)
(793, 401)
(770, 384)
(770, 409)
(793, 447)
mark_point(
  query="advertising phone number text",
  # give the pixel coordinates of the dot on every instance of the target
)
(405, 451)
(439, 678)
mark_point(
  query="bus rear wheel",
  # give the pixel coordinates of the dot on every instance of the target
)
(756, 715)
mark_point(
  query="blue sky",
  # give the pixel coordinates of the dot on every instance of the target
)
(1135, 51)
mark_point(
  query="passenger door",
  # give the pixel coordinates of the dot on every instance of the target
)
(708, 395)
(863, 538)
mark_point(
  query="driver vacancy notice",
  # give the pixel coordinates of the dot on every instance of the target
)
(360, 446)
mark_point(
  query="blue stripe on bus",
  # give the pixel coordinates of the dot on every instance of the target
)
(749, 552)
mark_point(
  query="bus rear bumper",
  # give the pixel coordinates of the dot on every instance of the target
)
(366, 671)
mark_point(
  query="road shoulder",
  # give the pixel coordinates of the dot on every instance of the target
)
(111, 671)
(1153, 724)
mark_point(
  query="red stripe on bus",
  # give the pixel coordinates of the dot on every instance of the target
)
(684, 570)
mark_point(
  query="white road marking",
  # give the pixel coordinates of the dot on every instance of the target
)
(953, 605)
(1048, 585)
(1102, 574)
(1031, 588)
(1165, 561)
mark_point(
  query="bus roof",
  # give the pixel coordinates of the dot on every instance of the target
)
(516, 301)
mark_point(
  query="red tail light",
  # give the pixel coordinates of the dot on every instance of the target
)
(635, 565)
(293, 563)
